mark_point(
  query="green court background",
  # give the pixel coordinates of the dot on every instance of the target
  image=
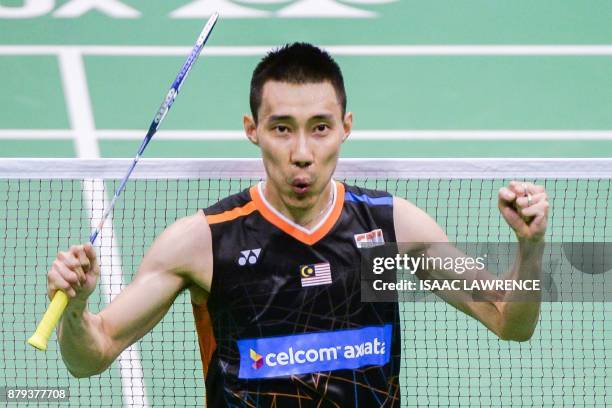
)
(559, 93)
(568, 96)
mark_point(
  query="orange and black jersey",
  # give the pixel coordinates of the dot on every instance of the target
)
(288, 325)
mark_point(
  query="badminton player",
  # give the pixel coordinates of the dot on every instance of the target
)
(273, 271)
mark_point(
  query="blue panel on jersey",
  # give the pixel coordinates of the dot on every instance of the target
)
(364, 198)
(314, 352)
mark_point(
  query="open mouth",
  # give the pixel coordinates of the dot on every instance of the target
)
(300, 186)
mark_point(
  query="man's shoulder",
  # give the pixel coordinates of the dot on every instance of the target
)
(367, 196)
(229, 202)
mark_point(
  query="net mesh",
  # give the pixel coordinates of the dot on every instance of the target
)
(448, 359)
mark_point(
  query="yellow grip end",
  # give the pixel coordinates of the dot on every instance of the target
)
(54, 312)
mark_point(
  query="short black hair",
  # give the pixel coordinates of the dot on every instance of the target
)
(297, 63)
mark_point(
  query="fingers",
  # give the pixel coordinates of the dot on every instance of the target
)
(62, 278)
(514, 219)
(69, 270)
(78, 251)
(540, 208)
(71, 260)
(521, 194)
(524, 202)
(90, 252)
(506, 195)
(91, 255)
(522, 188)
(539, 222)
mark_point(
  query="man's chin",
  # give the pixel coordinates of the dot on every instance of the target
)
(300, 200)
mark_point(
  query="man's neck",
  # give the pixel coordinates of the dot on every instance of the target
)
(306, 217)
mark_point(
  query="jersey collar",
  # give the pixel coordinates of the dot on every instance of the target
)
(302, 234)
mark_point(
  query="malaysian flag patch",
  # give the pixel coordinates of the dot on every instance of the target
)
(316, 274)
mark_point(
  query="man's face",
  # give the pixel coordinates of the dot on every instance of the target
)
(300, 129)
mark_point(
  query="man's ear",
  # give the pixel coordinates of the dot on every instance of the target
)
(347, 124)
(250, 128)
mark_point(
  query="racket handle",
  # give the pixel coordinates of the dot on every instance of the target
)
(54, 312)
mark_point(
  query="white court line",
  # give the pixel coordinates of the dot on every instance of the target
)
(78, 103)
(36, 134)
(80, 114)
(402, 134)
(358, 50)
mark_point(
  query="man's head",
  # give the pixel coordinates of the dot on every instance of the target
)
(298, 63)
(299, 120)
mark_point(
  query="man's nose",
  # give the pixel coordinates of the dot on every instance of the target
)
(301, 156)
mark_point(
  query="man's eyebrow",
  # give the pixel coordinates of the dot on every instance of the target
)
(289, 118)
(280, 118)
(323, 116)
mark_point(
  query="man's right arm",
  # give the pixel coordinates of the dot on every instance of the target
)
(180, 256)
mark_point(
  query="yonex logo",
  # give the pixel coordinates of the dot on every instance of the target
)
(249, 256)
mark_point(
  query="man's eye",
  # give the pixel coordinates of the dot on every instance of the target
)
(321, 128)
(281, 129)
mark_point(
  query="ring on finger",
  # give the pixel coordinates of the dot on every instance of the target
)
(529, 200)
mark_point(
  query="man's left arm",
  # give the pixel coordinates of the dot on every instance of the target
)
(524, 206)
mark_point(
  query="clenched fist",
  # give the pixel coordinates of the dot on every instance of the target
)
(75, 272)
(524, 206)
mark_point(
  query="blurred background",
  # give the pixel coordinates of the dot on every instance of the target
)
(424, 78)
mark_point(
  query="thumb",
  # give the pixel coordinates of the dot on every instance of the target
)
(90, 252)
(514, 219)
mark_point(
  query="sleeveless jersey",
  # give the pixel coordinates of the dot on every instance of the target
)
(284, 324)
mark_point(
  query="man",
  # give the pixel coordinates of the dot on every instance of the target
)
(273, 271)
